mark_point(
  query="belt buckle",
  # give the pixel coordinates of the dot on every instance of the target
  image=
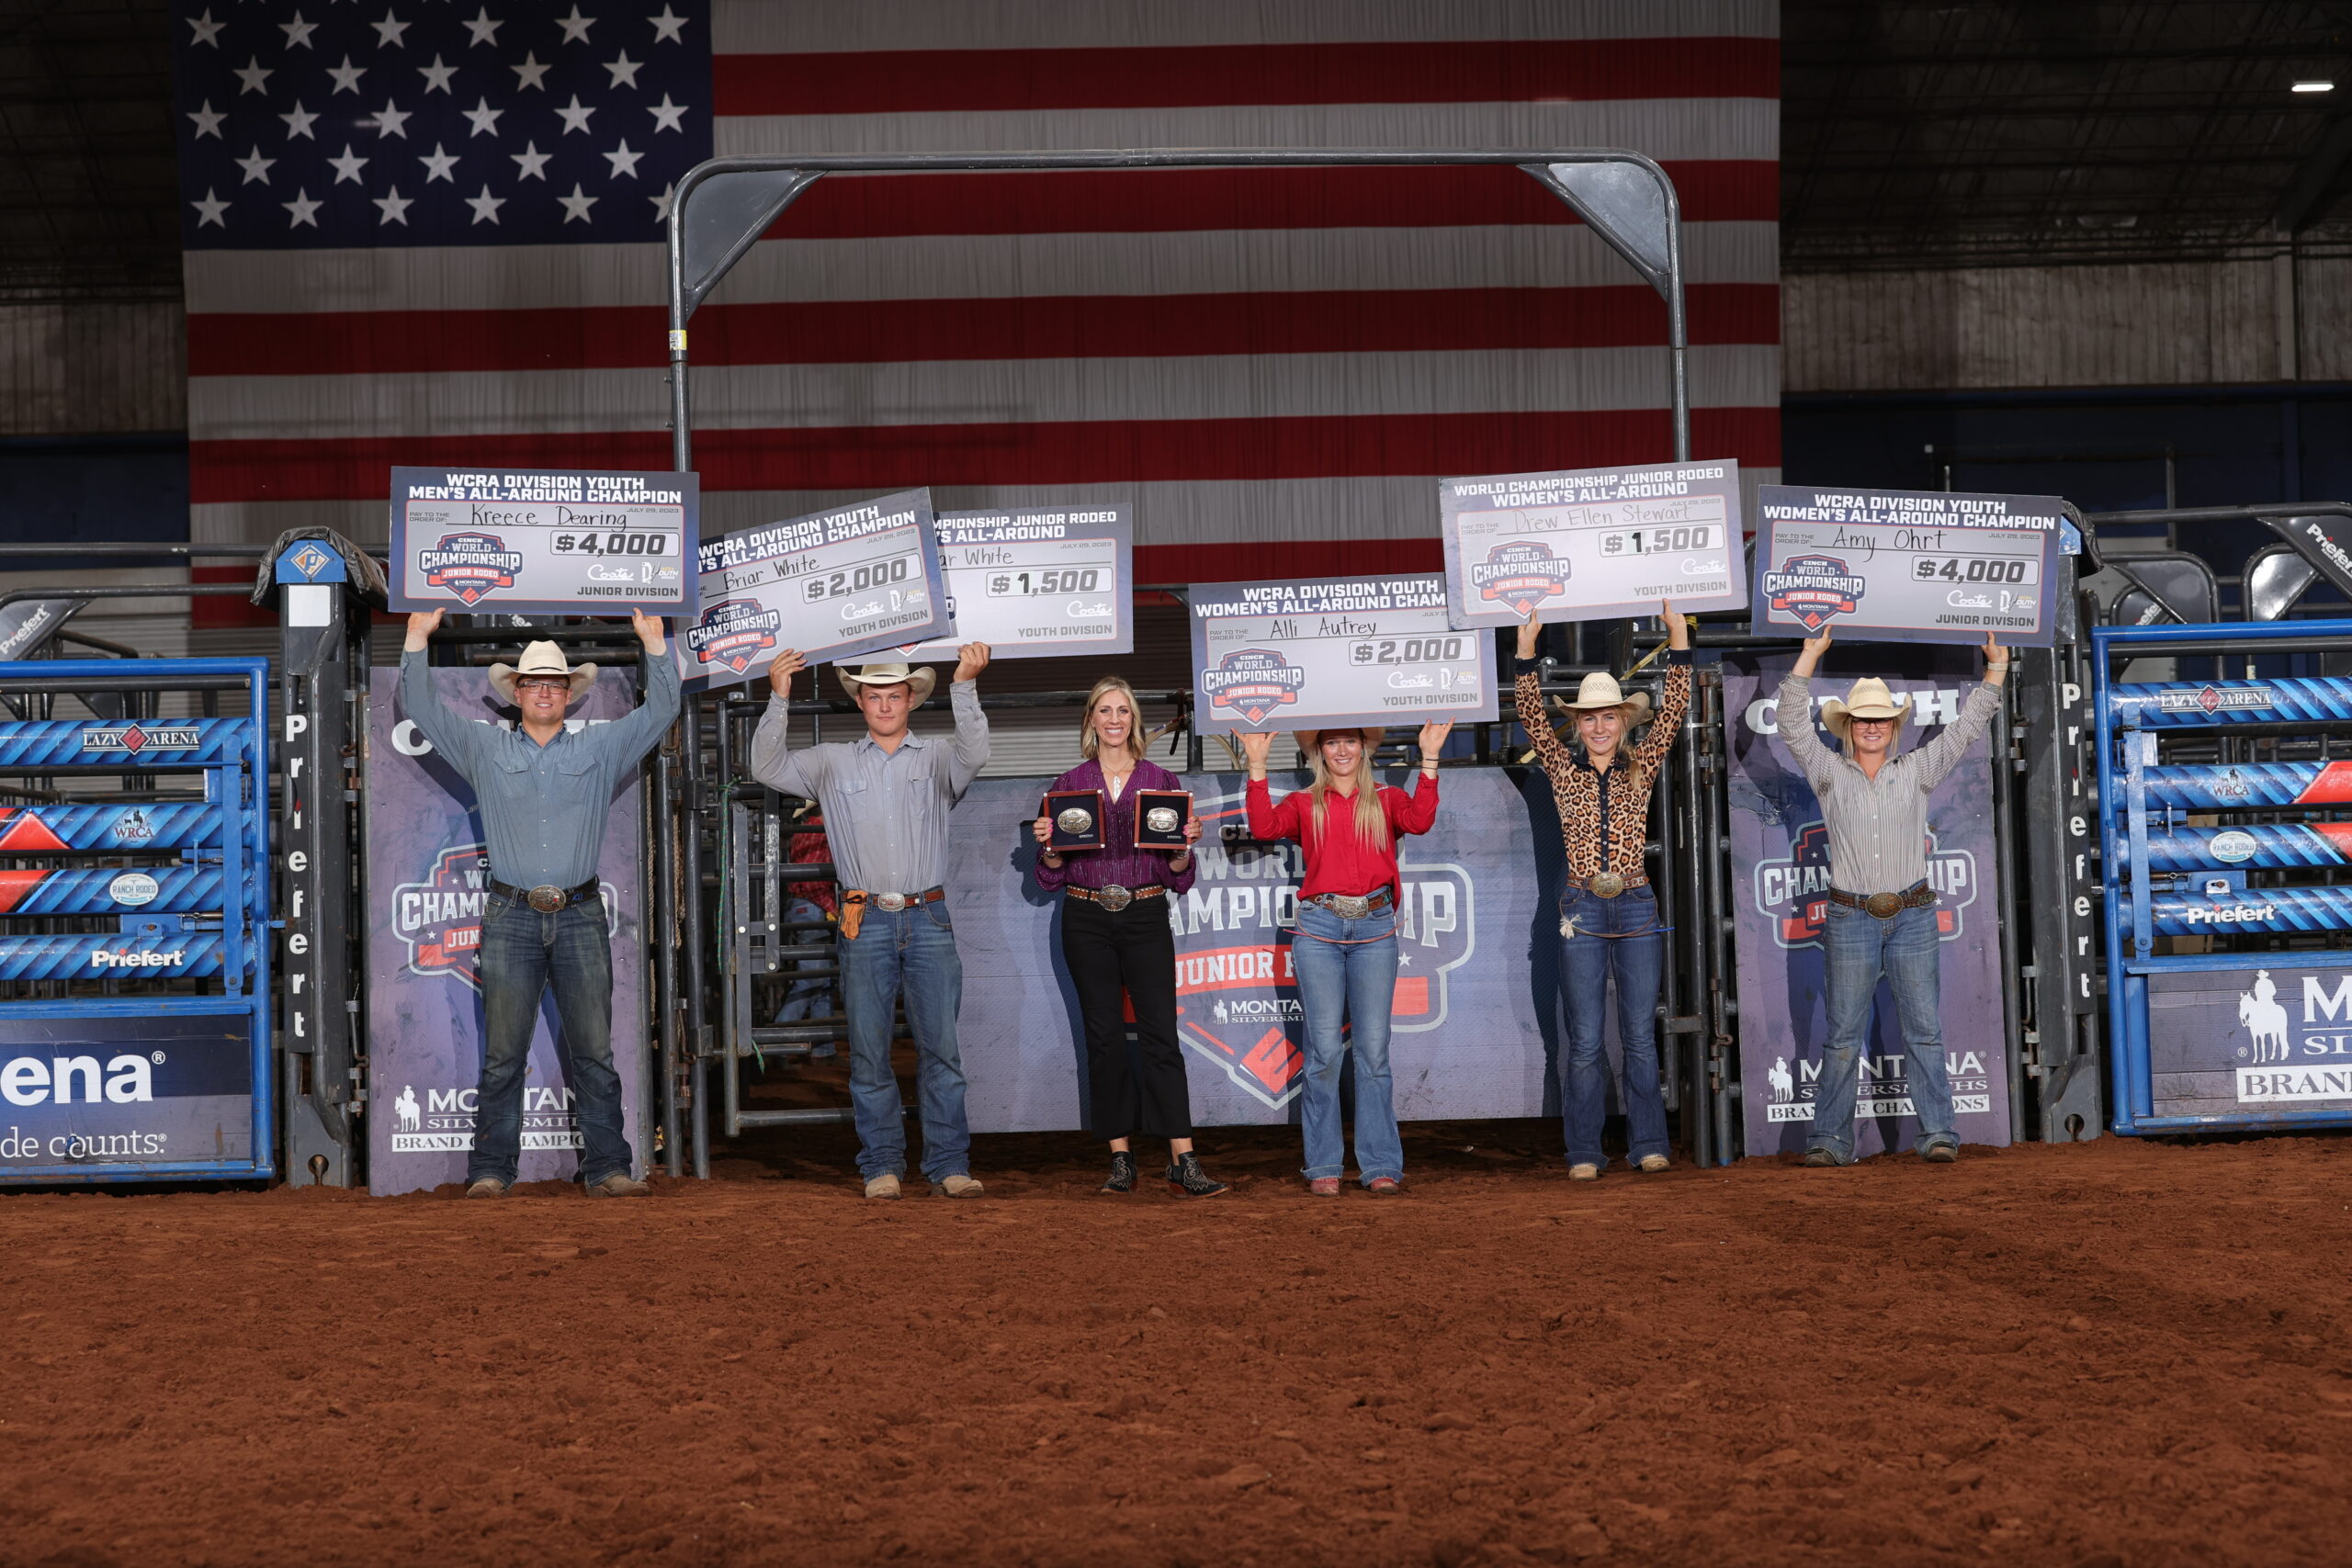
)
(1885, 906)
(1114, 897)
(891, 901)
(546, 900)
(1349, 907)
(1607, 884)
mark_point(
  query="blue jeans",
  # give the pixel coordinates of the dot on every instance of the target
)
(1358, 983)
(909, 951)
(525, 953)
(1587, 960)
(809, 998)
(1906, 950)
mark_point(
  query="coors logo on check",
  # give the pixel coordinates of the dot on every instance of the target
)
(1253, 683)
(734, 633)
(472, 566)
(1813, 590)
(1521, 574)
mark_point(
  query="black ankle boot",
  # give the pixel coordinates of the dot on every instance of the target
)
(1122, 1172)
(1190, 1180)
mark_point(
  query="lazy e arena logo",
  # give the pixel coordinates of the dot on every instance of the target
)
(1237, 990)
(136, 738)
(1813, 590)
(472, 566)
(1521, 575)
(1253, 683)
(733, 633)
(1792, 890)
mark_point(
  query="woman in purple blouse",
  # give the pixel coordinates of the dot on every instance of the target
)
(1120, 948)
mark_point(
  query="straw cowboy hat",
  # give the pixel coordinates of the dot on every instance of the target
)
(1308, 740)
(1599, 690)
(1869, 699)
(919, 680)
(540, 659)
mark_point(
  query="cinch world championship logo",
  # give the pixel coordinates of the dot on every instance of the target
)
(472, 566)
(1813, 590)
(733, 633)
(439, 919)
(1519, 575)
(1236, 992)
(1794, 890)
(1252, 683)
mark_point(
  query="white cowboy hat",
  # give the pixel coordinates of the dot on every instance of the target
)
(1869, 699)
(1599, 690)
(540, 659)
(919, 680)
(1308, 740)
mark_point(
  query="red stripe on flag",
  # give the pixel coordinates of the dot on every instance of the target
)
(933, 81)
(885, 457)
(851, 207)
(868, 331)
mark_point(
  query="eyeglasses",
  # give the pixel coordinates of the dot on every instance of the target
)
(528, 684)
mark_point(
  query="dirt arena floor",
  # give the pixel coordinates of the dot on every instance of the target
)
(2117, 1354)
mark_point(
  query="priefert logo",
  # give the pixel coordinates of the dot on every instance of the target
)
(124, 958)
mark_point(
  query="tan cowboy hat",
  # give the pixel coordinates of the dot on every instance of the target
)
(1869, 699)
(1599, 690)
(1308, 740)
(917, 679)
(540, 659)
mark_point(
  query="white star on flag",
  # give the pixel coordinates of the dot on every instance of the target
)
(528, 75)
(484, 117)
(393, 205)
(256, 167)
(576, 206)
(209, 210)
(485, 206)
(667, 116)
(484, 27)
(253, 77)
(624, 162)
(668, 28)
(208, 121)
(389, 30)
(347, 167)
(297, 31)
(662, 203)
(575, 26)
(392, 121)
(207, 31)
(298, 123)
(624, 71)
(303, 208)
(437, 164)
(346, 75)
(436, 75)
(532, 160)
(575, 118)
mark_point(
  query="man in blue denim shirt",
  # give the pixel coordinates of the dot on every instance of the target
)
(544, 792)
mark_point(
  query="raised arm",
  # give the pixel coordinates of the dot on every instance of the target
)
(1657, 738)
(457, 740)
(1527, 694)
(971, 753)
(773, 762)
(636, 731)
(1938, 757)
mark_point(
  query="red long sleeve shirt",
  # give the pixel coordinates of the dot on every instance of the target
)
(1337, 860)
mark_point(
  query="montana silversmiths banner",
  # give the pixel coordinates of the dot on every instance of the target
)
(832, 585)
(1592, 544)
(1042, 584)
(1475, 1024)
(1333, 650)
(1907, 565)
(424, 878)
(1780, 855)
(593, 544)
(2247, 1043)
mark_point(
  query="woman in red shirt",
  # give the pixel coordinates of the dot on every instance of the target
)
(1344, 948)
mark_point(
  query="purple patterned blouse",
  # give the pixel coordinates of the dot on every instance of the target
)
(1112, 865)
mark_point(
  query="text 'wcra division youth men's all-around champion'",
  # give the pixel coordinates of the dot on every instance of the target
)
(579, 543)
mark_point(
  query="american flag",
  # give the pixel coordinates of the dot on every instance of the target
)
(429, 231)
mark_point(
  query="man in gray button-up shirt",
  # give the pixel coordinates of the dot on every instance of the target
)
(544, 791)
(1882, 915)
(887, 797)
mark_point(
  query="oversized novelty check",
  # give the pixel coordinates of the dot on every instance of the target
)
(1589, 545)
(1907, 565)
(834, 584)
(1357, 650)
(1036, 584)
(591, 543)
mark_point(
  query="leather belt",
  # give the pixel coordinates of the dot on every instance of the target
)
(1886, 905)
(1354, 907)
(894, 902)
(1607, 884)
(546, 898)
(1115, 897)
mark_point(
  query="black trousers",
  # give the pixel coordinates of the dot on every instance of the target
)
(1112, 957)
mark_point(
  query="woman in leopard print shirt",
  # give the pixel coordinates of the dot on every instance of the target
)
(1608, 913)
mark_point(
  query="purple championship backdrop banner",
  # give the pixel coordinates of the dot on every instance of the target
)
(1477, 1028)
(424, 875)
(1781, 880)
